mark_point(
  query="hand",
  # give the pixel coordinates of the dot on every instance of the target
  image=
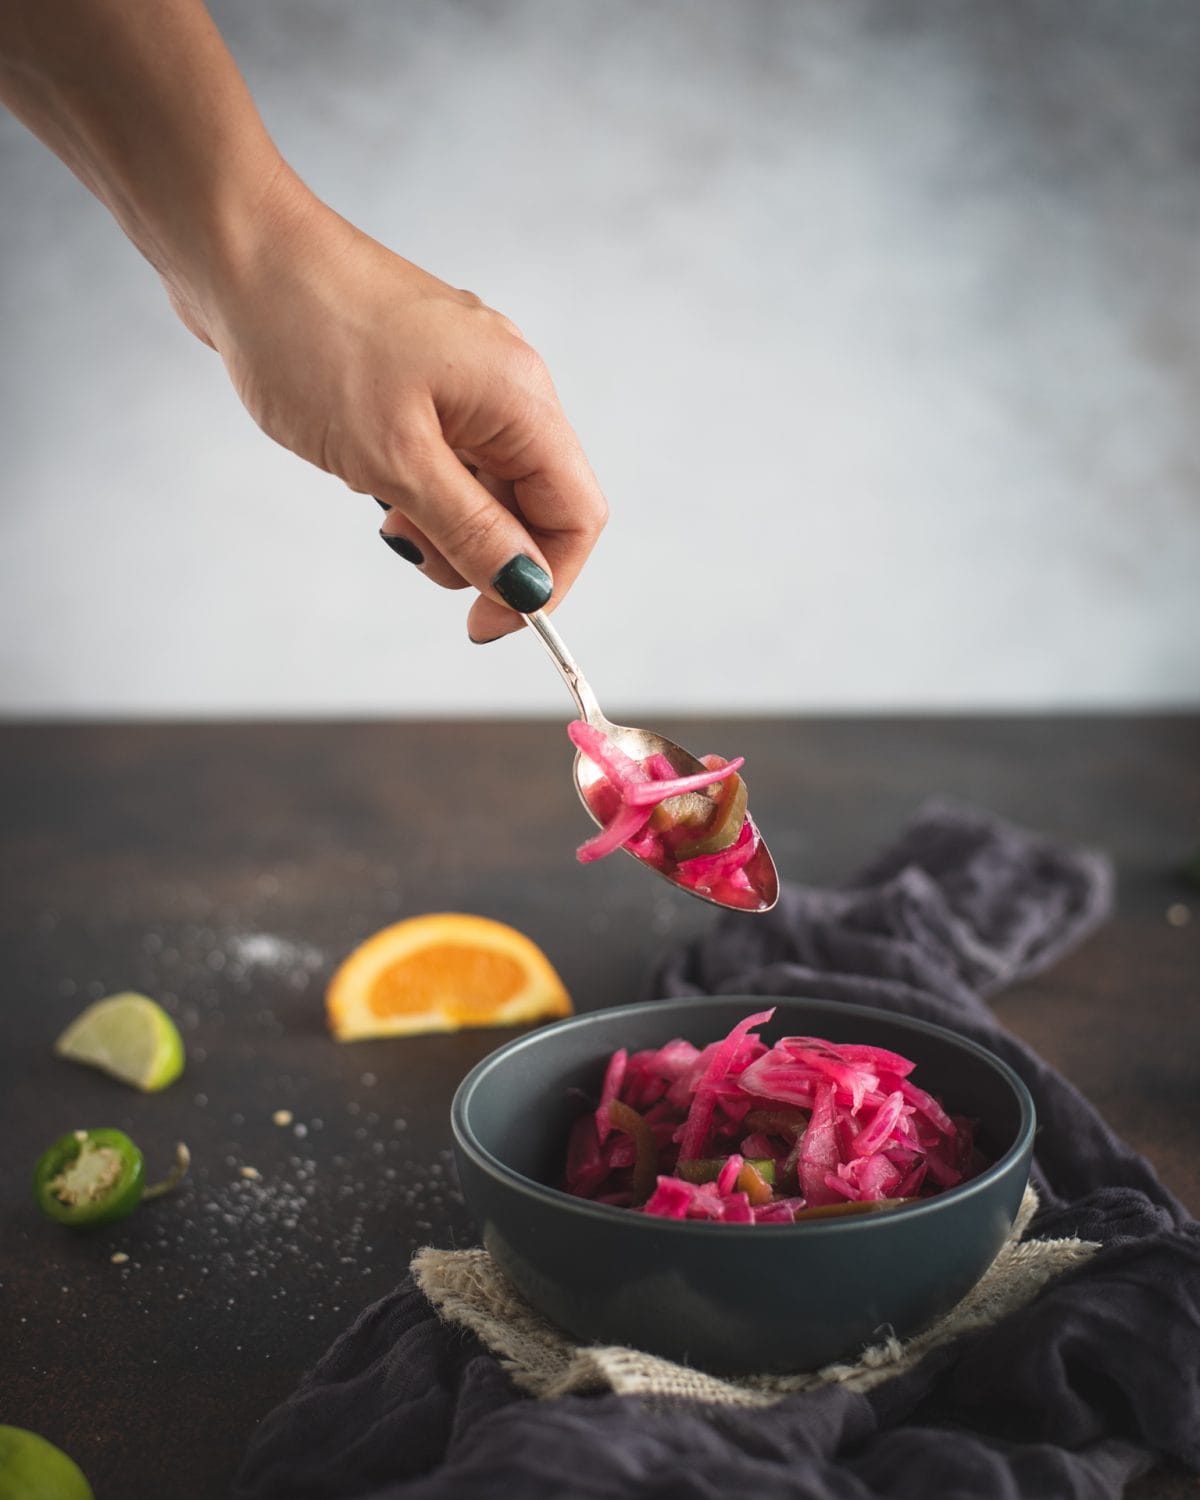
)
(343, 352)
(409, 390)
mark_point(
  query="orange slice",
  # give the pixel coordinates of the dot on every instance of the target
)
(442, 972)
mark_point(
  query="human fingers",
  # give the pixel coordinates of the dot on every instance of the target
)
(406, 539)
(558, 499)
(478, 536)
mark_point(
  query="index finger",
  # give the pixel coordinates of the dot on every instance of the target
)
(557, 497)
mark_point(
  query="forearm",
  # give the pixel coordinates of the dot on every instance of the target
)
(142, 100)
(404, 387)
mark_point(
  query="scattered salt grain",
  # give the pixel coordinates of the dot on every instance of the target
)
(1178, 915)
(268, 951)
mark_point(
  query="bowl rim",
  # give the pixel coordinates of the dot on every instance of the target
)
(609, 1213)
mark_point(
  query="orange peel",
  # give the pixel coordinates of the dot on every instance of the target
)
(442, 971)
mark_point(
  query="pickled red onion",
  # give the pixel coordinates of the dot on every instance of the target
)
(626, 823)
(640, 786)
(651, 792)
(837, 1125)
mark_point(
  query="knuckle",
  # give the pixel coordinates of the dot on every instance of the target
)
(599, 515)
(361, 476)
(469, 533)
(526, 368)
(408, 454)
(489, 317)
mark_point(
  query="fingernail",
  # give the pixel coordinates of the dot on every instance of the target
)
(409, 551)
(382, 504)
(522, 584)
(481, 640)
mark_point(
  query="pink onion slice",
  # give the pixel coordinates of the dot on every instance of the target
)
(670, 1199)
(854, 1081)
(735, 1209)
(704, 869)
(695, 1127)
(586, 1168)
(626, 824)
(649, 792)
(877, 1059)
(818, 1149)
(728, 1174)
(873, 1136)
(614, 1077)
(928, 1106)
(778, 1211)
(659, 766)
(622, 770)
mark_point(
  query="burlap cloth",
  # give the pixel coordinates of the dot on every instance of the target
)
(468, 1290)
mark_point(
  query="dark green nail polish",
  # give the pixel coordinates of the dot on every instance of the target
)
(522, 584)
(383, 505)
(409, 551)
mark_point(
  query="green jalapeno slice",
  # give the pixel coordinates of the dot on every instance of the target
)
(89, 1177)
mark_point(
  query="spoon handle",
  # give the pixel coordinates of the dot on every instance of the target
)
(585, 699)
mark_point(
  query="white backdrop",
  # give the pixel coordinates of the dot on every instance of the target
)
(880, 324)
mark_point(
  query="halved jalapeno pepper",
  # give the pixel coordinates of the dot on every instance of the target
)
(96, 1176)
(89, 1177)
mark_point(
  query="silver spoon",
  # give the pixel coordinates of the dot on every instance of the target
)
(640, 744)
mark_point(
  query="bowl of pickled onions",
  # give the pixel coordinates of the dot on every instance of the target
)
(742, 1183)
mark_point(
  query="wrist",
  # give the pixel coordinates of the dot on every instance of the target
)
(215, 258)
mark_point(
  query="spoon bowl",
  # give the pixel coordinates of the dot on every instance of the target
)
(640, 745)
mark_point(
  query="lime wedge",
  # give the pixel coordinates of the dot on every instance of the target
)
(129, 1036)
(33, 1469)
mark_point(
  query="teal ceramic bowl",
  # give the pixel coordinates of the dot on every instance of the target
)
(730, 1298)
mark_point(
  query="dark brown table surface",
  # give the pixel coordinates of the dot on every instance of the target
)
(225, 869)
